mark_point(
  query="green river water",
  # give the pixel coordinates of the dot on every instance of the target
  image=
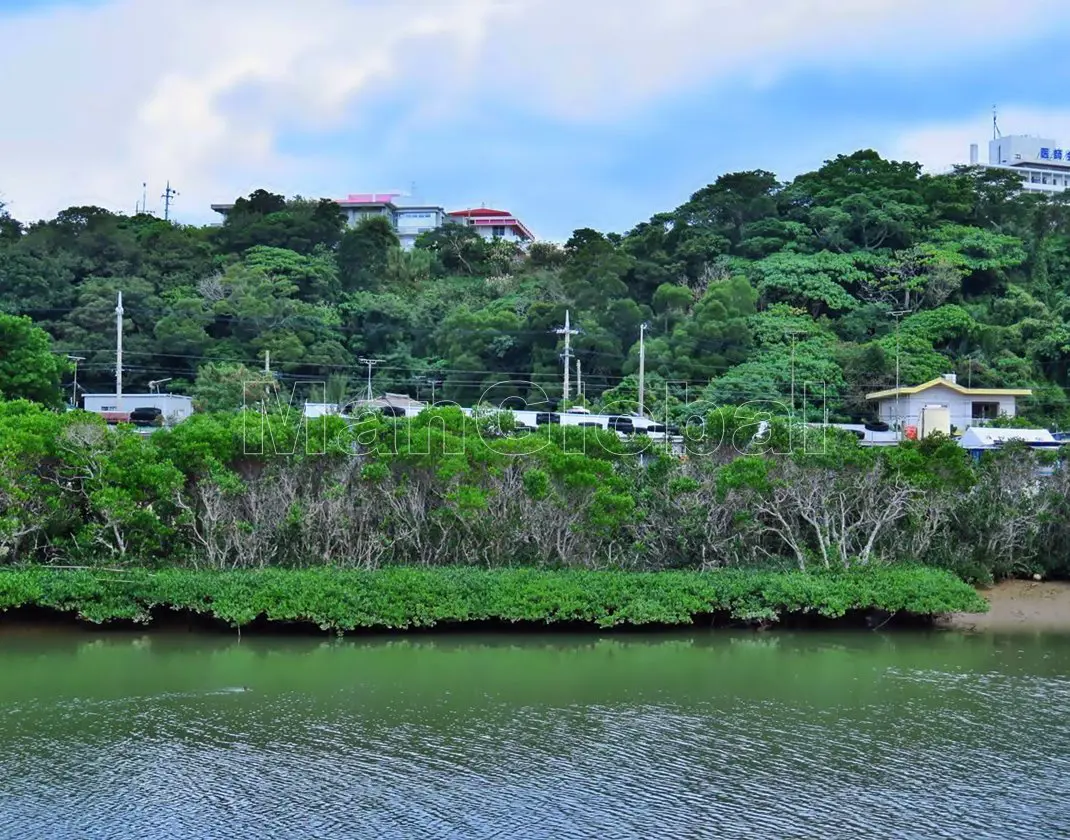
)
(718, 735)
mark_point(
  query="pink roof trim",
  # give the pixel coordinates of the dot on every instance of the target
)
(371, 198)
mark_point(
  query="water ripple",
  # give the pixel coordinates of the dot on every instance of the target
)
(924, 751)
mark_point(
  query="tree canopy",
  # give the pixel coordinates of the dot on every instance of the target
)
(748, 281)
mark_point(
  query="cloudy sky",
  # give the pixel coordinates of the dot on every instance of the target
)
(570, 113)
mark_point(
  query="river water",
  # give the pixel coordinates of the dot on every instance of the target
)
(706, 735)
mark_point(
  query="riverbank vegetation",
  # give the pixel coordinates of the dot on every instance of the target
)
(750, 286)
(400, 598)
(256, 490)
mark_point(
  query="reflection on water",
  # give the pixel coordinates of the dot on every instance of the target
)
(477, 737)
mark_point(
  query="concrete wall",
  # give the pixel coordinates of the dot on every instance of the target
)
(1019, 148)
(959, 406)
(487, 232)
(173, 406)
(413, 221)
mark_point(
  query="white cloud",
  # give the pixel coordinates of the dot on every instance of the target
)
(200, 91)
(590, 60)
(113, 94)
(939, 146)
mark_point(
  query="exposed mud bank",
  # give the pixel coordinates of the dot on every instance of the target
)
(1024, 605)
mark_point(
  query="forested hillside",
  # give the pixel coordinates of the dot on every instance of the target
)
(746, 273)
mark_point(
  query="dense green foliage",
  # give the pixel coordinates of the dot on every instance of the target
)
(743, 276)
(253, 490)
(400, 598)
(28, 368)
(749, 281)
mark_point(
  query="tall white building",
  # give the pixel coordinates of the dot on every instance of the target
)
(1044, 165)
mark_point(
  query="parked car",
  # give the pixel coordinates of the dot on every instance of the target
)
(147, 416)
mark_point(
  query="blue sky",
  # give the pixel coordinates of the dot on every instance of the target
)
(569, 115)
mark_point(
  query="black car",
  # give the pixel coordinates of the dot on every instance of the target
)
(146, 416)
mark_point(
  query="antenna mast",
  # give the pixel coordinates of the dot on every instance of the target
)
(168, 196)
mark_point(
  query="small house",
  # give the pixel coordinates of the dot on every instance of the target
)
(947, 403)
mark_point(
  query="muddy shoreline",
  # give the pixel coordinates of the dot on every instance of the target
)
(1023, 605)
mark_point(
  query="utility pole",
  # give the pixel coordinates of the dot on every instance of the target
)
(433, 382)
(370, 363)
(267, 361)
(119, 354)
(74, 388)
(579, 380)
(793, 376)
(168, 196)
(897, 314)
(567, 332)
(642, 365)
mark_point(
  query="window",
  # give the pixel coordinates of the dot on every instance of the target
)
(498, 230)
(985, 411)
(1046, 181)
(1035, 177)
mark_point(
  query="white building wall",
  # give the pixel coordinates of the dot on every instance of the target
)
(959, 406)
(354, 215)
(413, 221)
(174, 407)
(487, 232)
(1041, 162)
(1018, 149)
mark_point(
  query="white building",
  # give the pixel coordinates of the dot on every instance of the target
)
(175, 407)
(494, 224)
(1044, 165)
(965, 407)
(410, 219)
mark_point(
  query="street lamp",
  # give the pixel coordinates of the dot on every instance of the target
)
(642, 364)
(74, 388)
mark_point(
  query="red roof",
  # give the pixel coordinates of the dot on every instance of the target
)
(481, 211)
(507, 218)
